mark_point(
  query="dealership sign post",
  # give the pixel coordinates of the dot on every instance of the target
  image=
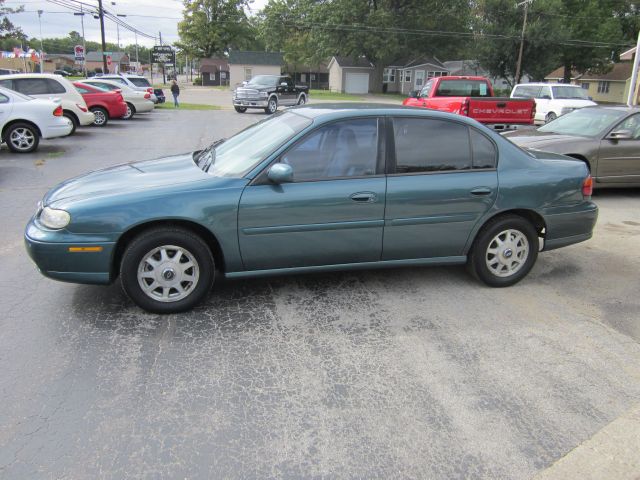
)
(165, 55)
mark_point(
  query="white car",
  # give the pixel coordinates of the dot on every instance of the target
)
(553, 99)
(46, 85)
(137, 102)
(23, 120)
(136, 82)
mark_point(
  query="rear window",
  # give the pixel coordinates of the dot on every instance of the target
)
(526, 91)
(463, 88)
(139, 82)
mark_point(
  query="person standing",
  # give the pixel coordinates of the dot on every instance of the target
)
(175, 91)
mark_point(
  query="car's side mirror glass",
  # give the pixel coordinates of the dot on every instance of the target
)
(280, 173)
(621, 135)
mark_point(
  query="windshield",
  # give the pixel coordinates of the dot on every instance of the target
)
(264, 80)
(570, 92)
(242, 152)
(139, 82)
(585, 122)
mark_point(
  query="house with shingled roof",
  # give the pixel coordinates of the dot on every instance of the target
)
(609, 87)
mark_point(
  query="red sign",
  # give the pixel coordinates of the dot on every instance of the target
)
(109, 60)
(78, 50)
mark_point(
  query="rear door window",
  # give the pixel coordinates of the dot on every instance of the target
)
(139, 82)
(484, 151)
(427, 145)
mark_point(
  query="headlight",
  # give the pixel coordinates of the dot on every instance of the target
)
(56, 219)
(264, 94)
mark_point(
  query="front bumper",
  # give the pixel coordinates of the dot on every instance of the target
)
(251, 102)
(49, 249)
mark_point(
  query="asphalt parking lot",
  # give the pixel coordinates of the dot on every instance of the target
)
(411, 373)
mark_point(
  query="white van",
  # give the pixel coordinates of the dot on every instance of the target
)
(46, 85)
(553, 99)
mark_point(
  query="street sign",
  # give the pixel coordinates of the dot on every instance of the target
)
(78, 51)
(163, 54)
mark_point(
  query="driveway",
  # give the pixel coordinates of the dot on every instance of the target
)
(410, 373)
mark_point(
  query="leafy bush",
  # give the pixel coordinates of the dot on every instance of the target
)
(197, 81)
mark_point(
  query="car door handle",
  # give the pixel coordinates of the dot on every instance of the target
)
(363, 197)
(480, 191)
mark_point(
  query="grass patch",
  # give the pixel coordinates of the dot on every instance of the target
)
(56, 154)
(168, 105)
(327, 95)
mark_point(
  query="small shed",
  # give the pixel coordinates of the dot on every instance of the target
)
(214, 71)
(243, 65)
(350, 75)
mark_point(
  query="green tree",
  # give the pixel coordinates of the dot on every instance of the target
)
(10, 35)
(212, 27)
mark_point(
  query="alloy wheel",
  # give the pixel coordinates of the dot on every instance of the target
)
(22, 138)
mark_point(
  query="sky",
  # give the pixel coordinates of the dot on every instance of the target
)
(148, 16)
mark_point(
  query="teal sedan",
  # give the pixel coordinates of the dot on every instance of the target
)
(314, 188)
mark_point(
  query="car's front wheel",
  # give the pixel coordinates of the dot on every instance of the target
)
(504, 251)
(167, 270)
(240, 109)
(22, 138)
(272, 106)
(102, 117)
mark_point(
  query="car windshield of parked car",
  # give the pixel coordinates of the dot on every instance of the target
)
(263, 81)
(585, 122)
(139, 82)
(242, 152)
(577, 93)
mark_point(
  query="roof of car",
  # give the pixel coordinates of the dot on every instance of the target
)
(32, 75)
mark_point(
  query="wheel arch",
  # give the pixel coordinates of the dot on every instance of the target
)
(18, 120)
(206, 234)
(530, 215)
(581, 157)
(72, 114)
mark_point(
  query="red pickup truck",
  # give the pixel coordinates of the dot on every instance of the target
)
(473, 97)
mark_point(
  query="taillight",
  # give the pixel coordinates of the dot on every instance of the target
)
(81, 107)
(465, 108)
(150, 90)
(587, 186)
(147, 96)
(533, 111)
(58, 111)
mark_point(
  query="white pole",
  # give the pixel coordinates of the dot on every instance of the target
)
(634, 75)
(41, 49)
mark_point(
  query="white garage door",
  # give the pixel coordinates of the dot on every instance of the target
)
(357, 83)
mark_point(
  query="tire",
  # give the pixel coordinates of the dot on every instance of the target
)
(240, 109)
(131, 111)
(176, 288)
(74, 121)
(272, 106)
(550, 117)
(102, 116)
(504, 265)
(22, 138)
(302, 100)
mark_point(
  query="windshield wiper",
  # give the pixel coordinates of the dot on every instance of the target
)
(212, 154)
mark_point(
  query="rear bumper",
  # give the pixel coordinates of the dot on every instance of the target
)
(85, 118)
(144, 107)
(564, 229)
(118, 110)
(60, 127)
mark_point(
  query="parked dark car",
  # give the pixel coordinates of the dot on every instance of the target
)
(62, 73)
(269, 92)
(159, 93)
(314, 188)
(607, 139)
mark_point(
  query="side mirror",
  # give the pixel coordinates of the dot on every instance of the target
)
(414, 94)
(620, 135)
(280, 173)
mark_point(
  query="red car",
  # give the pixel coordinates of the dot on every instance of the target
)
(104, 105)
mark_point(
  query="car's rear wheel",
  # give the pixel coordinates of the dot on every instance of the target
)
(131, 111)
(240, 109)
(102, 117)
(74, 121)
(550, 117)
(167, 270)
(504, 251)
(272, 106)
(22, 138)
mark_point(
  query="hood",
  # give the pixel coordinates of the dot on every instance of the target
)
(148, 174)
(537, 139)
(574, 103)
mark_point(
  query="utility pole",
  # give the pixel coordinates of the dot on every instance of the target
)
(164, 77)
(634, 75)
(524, 26)
(41, 49)
(104, 46)
(138, 69)
(84, 43)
